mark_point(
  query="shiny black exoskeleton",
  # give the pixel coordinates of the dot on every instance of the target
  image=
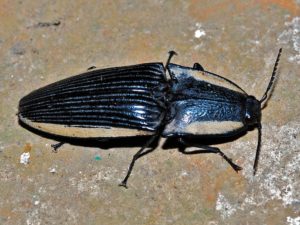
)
(146, 100)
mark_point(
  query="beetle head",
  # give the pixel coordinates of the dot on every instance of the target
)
(252, 111)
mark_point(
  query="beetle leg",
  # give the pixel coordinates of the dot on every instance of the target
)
(143, 151)
(197, 66)
(56, 146)
(206, 149)
(171, 54)
(158, 95)
(161, 104)
(91, 68)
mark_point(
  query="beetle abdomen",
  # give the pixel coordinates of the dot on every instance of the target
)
(99, 102)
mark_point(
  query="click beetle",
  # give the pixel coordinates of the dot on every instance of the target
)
(150, 100)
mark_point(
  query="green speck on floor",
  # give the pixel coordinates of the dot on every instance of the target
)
(98, 158)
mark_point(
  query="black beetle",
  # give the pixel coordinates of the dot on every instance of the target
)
(140, 100)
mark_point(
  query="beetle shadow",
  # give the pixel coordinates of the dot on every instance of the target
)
(103, 143)
(137, 141)
(173, 142)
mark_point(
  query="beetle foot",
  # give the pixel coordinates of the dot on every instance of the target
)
(56, 146)
(123, 184)
(236, 167)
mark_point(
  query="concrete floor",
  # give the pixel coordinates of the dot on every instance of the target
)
(44, 41)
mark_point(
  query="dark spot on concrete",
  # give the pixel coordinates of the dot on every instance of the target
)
(18, 48)
(35, 51)
(47, 24)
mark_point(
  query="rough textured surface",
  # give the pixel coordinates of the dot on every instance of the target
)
(45, 41)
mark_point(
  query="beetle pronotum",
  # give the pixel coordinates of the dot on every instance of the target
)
(141, 100)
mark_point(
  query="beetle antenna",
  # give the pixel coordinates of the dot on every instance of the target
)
(257, 149)
(271, 83)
